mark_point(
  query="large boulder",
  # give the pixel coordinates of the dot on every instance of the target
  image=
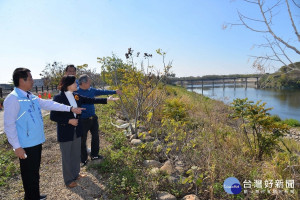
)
(151, 163)
(120, 122)
(162, 195)
(136, 142)
(167, 167)
(190, 197)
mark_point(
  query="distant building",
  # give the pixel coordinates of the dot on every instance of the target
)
(6, 86)
(5, 90)
(38, 82)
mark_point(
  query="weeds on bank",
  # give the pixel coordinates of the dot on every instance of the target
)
(204, 140)
(256, 121)
(200, 133)
(290, 122)
(8, 168)
(121, 164)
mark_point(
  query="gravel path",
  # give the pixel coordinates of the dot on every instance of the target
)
(51, 180)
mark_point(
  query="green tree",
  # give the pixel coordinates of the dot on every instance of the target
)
(266, 132)
(53, 73)
(113, 69)
(143, 91)
(94, 76)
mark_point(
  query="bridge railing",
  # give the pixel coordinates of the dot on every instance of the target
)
(215, 82)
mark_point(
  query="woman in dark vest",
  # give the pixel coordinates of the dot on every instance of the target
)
(69, 129)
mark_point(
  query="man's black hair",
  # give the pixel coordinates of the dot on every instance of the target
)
(70, 66)
(20, 73)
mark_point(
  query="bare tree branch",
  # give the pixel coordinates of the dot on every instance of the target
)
(271, 31)
(279, 47)
(275, 53)
(257, 20)
(254, 2)
(275, 5)
(247, 26)
(292, 20)
(283, 52)
(298, 5)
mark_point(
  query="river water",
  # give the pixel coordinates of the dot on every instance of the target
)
(285, 102)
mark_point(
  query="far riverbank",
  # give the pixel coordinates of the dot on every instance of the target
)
(285, 102)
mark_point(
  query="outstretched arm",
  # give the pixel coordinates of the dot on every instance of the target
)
(56, 106)
(58, 117)
(88, 100)
(106, 92)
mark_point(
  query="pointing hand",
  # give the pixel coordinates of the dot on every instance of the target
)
(112, 99)
(77, 110)
(119, 92)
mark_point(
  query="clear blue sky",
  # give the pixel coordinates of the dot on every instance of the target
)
(36, 32)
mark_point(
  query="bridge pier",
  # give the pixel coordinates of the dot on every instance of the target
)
(234, 83)
(223, 83)
(202, 86)
(246, 82)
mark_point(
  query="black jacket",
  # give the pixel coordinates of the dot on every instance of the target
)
(65, 131)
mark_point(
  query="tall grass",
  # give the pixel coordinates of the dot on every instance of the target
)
(198, 132)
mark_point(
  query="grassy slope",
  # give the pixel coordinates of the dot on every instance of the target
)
(219, 152)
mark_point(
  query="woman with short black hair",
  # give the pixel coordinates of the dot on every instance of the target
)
(69, 129)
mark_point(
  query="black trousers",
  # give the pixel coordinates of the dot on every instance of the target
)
(30, 168)
(90, 124)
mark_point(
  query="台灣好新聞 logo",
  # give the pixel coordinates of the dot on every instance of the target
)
(232, 185)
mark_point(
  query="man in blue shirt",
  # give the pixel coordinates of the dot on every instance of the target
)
(89, 118)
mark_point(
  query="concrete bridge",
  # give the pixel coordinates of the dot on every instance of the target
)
(219, 81)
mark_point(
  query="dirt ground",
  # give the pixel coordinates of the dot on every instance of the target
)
(51, 180)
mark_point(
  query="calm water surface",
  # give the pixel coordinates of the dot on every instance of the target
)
(285, 103)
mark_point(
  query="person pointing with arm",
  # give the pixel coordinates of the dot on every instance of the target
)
(89, 118)
(69, 128)
(24, 128)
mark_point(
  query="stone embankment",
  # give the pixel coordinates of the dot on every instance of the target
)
(294, 133)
